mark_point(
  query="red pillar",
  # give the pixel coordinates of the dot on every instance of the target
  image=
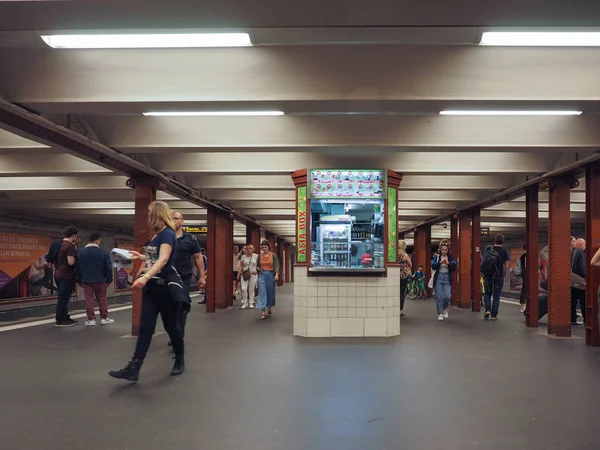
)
(145, 193)
(271, 238)
(533, 250)
(287, 265)
(476, 256)
(420, 250)
(219, 291)
(559, 279)
(464, 261)
(592, 238)
(454, 246)
(253, 236)
(281, 261)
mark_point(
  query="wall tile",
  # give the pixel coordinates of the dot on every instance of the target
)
(393, 326)
(322, 291)
(361, 291)
(361, 302)
(312, 312)
(381, 302)
(318, 327)
(361, 281)
(376, 327)
(372, 312)
(342, 312)
(351, 312)
(371, 292)
(361, 312)
(322, 312)
(343, 291)
(381, 291)
(300, 326)
(332, 312)
(332, 291)
(311, 302)
(382, 312)
(332, 281)
(351, 302)
(347, 327)
(322, 302)
(333, 302)
(312, 291)
(342, 302)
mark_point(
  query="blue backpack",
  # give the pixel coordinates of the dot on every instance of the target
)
(53, 251)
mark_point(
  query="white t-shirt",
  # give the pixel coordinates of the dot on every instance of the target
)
(235, 262)
(250, 263)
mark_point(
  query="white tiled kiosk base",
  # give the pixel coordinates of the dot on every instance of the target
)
(346, 306)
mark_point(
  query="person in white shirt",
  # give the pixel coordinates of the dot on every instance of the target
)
(248, 275)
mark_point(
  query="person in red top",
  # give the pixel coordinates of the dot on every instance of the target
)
(64, 276)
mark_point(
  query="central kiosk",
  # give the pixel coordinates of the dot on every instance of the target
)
(346, 273)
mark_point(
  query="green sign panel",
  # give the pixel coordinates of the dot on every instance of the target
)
(392, 206)
(301, 225)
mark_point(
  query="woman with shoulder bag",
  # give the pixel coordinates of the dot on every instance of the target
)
(162, 292)
(248, 276)
(405, 273)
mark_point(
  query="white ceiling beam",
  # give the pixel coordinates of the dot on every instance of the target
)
(11, 143)
(489, 215)
(46, 77)
(521, 206)
(70, 183)
(187, 164)
(129, 133)
(447, 195)
(48, 165)
(253, 204)
(442, 182)
(242, 182)
(227, 195)
(92, 204)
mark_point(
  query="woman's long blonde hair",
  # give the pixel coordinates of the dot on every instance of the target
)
(402, 246)
(159, 216)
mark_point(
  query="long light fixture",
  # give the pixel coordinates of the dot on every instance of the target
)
(509, 113)
(213, 113)
(166, 40)
(541, 38)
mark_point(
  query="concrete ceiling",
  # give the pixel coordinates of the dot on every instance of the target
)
(360, 87)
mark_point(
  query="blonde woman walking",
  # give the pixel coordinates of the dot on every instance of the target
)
(405, 273)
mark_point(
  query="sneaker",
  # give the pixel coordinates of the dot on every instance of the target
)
(65, 323)
(245, 306)
(446, 314)
(523, 308)
(202, 302)
(107, 321)
(495, 318)
(90, 323)
(487, 315)
(179, 366)
(441, 317)
(252, 305)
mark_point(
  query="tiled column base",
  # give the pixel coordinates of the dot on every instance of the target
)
(351, 306)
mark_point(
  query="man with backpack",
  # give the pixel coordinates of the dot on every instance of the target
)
(62, 255)
(494, 267)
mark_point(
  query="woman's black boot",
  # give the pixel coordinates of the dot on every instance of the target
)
(179, 366)
(130, 372)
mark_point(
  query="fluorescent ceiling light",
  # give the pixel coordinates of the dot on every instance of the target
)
(542, 38)
(214, 113)
(148, 40)
(509, 113)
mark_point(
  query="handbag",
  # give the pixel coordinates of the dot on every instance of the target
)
(430, 284)
(246, 274)
(577, 281)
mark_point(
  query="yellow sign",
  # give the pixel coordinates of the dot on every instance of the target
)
(197, 230)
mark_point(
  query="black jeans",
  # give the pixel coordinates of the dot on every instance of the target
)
(523, 294)
(403, 286)
(493, 291)
(65, 288)
(577, 295)
(156, 299)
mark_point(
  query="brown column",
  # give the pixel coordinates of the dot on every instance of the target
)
(454, 246)
(427, 265)
(145, 193)
(219, 290)
(281, 261)
(532, 258)
(592, 238)
(271, 238)
(420, 250)
(465, 261)
(287, 265)
(476, 255)
(559, 278)
(253, 236)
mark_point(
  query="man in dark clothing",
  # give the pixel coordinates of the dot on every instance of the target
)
(578, 267)
(495, 282)
(95, 273)
(523, 295)
(188, 249)
(64, 276)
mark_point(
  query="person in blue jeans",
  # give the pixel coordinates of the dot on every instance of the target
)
(444, 264)
(498, 258)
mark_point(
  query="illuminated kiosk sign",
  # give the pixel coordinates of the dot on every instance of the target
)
(301, 224)
(392, 224)
(345, 183)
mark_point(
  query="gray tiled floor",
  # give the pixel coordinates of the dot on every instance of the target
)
(461, 384)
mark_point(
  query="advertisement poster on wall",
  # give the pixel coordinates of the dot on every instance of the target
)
(24, 271)
(517, 281)
(124, 275)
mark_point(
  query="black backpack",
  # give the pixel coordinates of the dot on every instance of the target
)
(53, 251)
(491, 263)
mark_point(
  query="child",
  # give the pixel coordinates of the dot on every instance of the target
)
(419, 276)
